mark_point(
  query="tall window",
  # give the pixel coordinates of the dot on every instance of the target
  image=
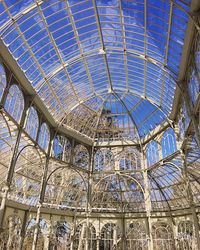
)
(62, 236)
(136, 237)
(168, 142)
(61, 148)
(42, 234)
(152, 153)
(162, 236)
(83, 235)
(110, 237)
(186, 236)
(14, 104)
(98, 161)
(58, 147)
(2, 81)
(104, 160)
(81, 157)
(32, 123)
(44, 136)
(129, 159)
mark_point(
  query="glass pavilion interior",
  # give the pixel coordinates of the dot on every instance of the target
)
(99, 124)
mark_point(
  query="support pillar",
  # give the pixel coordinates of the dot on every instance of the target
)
(23, 230)
(72, 240)
(42, 195)
(3, 204)
(87, 234)
(175, 232)
(81, 237)
(123, 234)
(98, 242)
(35, 236)
(115, 237)
(191, 200)
(72, 234)
(147, 203)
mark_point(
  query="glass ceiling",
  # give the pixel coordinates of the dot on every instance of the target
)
(99, 65)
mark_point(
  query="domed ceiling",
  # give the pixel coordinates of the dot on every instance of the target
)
(106, 69)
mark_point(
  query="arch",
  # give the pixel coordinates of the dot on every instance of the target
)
(27, 177)
(110, 237)
(167, 187)
(44, 136)
(168, 143)
(2, 81)
(163, 237)
(152, 153)
(14, 103)
(81, 157)
(32, 122)
(118, 192)
(66, 187)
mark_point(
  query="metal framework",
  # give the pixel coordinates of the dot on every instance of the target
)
(99, 125)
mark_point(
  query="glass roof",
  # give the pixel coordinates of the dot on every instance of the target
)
(111, 65)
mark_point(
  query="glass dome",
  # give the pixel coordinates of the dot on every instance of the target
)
(99, 124)
(77, 54)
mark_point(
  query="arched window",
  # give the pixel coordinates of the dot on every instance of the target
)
(88, 234)
(14, 104)
(65, 189)
(44, 136)
(152, 153)
(186, 237)
(168, 143)
(110, 237)
(162, 236)
(2, 80)
(32, 123)
(81, 157)
(136, 237)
